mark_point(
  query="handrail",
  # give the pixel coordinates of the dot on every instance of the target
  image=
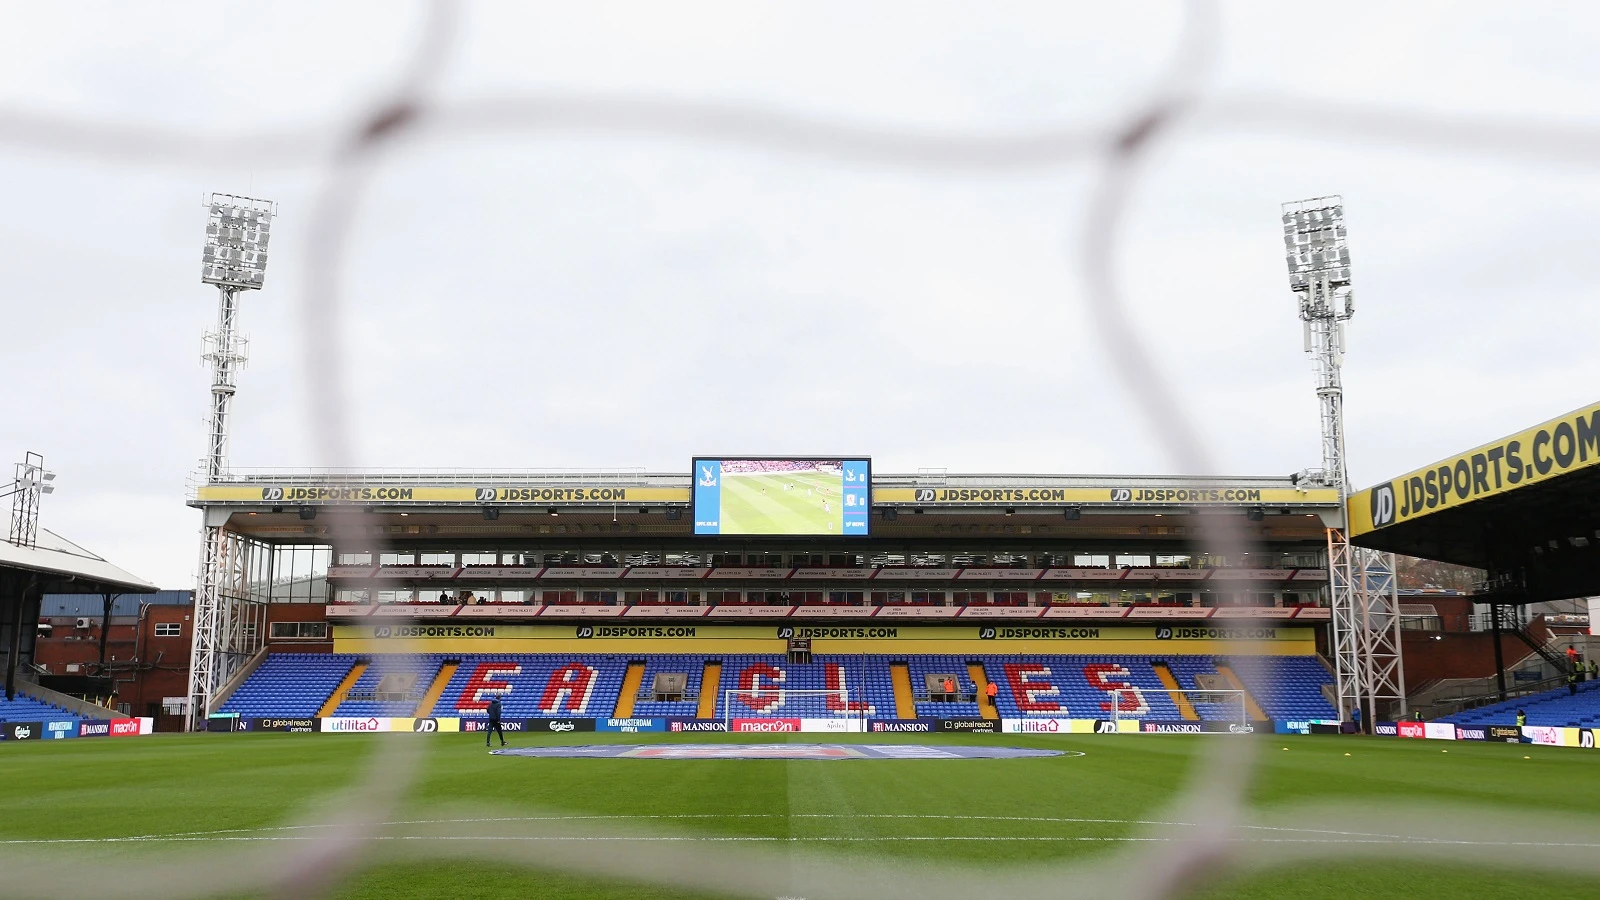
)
(1466, 703)
(1554, 659)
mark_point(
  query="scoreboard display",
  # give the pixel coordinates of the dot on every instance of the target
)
(800, 497)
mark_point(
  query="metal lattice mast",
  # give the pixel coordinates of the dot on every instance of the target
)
(31, 482)
(1365, 638)
(235, 260)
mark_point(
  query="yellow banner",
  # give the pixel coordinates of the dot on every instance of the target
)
(999, 639)
(1119, 496)
(311, 495)
(1549, 450)
(327, 494)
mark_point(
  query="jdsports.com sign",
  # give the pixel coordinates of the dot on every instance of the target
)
(1549, 450)
(1128, 495)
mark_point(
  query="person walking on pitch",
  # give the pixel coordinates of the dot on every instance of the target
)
(494, 723)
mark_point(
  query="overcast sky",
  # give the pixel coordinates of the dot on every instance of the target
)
(558, 298)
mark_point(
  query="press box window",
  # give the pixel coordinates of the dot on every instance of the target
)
(169, 629)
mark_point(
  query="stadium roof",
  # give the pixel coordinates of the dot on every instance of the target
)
(1525, 508)
(304, 505)
(66, 567)
(123, 605)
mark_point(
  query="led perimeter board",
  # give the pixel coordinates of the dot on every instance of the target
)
(803, 497)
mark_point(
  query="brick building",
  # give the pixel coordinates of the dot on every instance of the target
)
(139, 651)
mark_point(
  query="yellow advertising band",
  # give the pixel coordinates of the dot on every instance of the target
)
(311, 495)
(1549, 450)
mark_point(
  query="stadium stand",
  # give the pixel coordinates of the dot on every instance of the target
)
(559, 685)
(391, 686)
(865, 677)
(1286, 687)
(23, 708)
(922, 666)
(1078, 686)
(533, 686)
(691, 666)
(1558, 708)
(290, 684)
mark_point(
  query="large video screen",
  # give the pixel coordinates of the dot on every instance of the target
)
(803, 497)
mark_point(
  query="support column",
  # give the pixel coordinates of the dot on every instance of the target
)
(20, 586)
(105, 625)
(13, 618)
(1499, 661)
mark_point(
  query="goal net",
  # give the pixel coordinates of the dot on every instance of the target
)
(1194, 704)
(777, 710)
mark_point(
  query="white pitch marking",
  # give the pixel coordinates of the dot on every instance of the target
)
(265, 833)
(805, 840)
(702, 817)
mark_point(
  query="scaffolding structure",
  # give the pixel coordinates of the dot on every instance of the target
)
(1365, 638)
(31, 482)
(228, 627)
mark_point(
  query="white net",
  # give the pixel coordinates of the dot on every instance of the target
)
(1181, 705)
(1207, 832)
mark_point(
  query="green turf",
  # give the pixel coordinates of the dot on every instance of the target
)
(202, 783)
(765, 504)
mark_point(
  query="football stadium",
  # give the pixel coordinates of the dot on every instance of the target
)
(758, 672)
(999, 682)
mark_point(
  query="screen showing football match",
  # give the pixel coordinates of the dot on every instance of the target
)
(782, 496)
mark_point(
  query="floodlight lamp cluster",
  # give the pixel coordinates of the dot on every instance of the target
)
(237, 232)
(35, 478)
(1314, 239)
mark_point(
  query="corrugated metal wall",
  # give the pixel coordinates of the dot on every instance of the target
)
(124, 605)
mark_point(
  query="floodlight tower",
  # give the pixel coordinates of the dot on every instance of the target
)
(31, 482)
(235, 260)
(1365, 601)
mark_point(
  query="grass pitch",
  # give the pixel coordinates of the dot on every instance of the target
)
(221, 793)
(782, 503)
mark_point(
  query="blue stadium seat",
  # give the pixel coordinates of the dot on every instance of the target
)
(560, 685)
(290, 685)
(1558, 708)
(24, 708)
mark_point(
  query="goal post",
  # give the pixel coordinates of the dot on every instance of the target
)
(1229, 706)
(782, 705)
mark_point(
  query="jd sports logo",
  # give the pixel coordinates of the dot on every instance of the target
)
(1586, 738)
(425, 725)
(1105, 726)
(485, 495)
(1121, 495)
(272, 494)
(1164, 633)
(785, 632)
(986, 633)
(924, 495)
(586, 631)
(382, 631)
(1382, 501)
